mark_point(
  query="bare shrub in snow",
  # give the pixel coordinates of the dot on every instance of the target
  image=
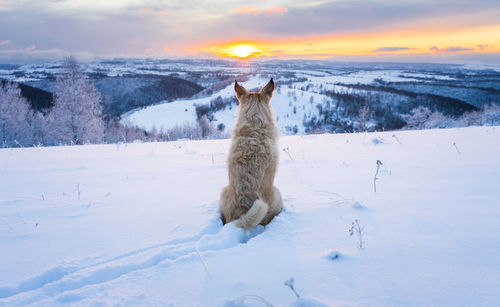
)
(456, 148)
(290, 283)
(118, 132)
(397, 139)
(186, 131)
(201, 129)
(287, 150)
(375, 178)
(206, 127)
(357, 230)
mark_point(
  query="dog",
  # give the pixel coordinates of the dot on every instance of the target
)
(251, 197)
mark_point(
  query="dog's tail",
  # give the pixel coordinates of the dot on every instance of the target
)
(253, 216)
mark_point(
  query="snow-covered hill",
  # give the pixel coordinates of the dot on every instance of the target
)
(168, 115)
(291, 103)
(137, 224)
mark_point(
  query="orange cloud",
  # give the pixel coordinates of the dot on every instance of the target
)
(245, 10)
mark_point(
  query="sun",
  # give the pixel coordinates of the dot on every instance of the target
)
(241, 50)
(244, 50)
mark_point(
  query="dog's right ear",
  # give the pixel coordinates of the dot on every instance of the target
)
(240, 90)
(268, 88)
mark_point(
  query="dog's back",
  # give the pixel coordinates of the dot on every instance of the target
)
(250, 198)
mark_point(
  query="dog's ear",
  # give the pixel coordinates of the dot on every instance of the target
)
(268, 89)
(240, 90)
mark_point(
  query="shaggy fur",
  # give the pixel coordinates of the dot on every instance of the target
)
(251, 198)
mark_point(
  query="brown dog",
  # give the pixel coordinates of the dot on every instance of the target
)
(251, 198)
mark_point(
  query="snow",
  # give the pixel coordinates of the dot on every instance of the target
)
(137, 224)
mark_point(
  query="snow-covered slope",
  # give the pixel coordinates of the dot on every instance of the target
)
(288, 111)
(137, 224)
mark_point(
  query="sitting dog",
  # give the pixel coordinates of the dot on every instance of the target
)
(251, 198)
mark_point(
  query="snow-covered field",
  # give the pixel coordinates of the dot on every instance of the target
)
(137, 224)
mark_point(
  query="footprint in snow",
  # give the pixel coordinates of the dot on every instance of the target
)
(60, 279)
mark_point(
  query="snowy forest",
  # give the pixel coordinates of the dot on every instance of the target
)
(75, 117)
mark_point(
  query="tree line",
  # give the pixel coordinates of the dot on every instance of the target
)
(75, 116)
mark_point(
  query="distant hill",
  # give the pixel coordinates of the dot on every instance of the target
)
(9, 66)
(125, 93)
(38, 98)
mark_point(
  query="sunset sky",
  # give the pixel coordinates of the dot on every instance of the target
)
(385, 30)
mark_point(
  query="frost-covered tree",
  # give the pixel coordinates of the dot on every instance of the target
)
(41, 128)
(362, 119)
(76, 117)
(491, 115)
(15, 115)
(438, 120)
(417, 117)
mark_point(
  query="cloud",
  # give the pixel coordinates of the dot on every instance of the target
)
(348, 17)
(5, 42)
(449, 49)
(389, 49)
(140, 27)
(483, 46)
(254, 11)
(152, 12)
(23, 56)
(122, 33)
(452, 58)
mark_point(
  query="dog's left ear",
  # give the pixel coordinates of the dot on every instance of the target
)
(240, 90)
(268, 89)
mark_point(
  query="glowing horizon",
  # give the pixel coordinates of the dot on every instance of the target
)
(409, 42)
